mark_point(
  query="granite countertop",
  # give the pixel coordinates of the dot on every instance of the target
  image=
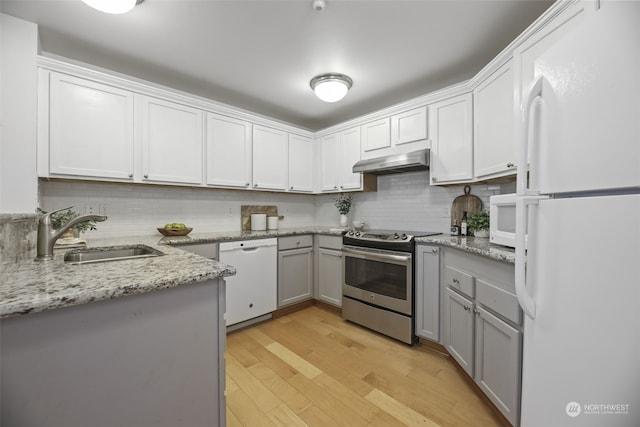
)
(28, 286)
(221, 236)
(476, 245)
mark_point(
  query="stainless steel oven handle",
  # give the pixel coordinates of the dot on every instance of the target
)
(376, 255)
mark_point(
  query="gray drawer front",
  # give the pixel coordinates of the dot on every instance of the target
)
(498, 300)
(295, 242)
(330, 242)
(459, 280)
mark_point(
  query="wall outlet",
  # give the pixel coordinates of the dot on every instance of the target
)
(95, 208)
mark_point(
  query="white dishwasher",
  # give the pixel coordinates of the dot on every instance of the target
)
(252, 292)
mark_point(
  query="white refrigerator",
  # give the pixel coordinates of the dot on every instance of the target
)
(578, 279)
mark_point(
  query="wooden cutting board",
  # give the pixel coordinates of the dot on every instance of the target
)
(467, 202)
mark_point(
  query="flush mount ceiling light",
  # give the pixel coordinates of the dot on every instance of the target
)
(331, 87)
(113, 6)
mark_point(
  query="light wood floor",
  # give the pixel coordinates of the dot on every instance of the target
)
(311, 368)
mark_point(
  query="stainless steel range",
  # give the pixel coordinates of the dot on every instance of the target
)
(378, 289)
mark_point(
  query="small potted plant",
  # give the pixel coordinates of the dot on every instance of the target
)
(343, 203)
(478, 223)
(59, 219)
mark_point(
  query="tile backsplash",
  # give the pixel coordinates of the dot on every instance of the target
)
(404, 201)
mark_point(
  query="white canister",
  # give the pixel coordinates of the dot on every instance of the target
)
(272, 222)
(258, 222)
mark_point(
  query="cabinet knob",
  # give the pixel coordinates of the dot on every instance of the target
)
(146, 175)
(255, 185)
(247, 184)
(476, 311)
(341, 187)
(335, 187)
(130, 175)
(510, 165)
(434, 250)
(434, 179)
(456, 281)
(298, 242)
(291, 188)
(467, 308)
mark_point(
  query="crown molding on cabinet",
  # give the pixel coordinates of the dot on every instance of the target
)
(144, 87)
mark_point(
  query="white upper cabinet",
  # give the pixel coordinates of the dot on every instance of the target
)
(451, 140)
(409, 126)
(400, 133)
(376, 135)
(301, 164)
(172, 142)
(494, 139)
(329, 166)
(270, 158)
(89, 127)
(349, 146)
(339, 152)
(228, 155)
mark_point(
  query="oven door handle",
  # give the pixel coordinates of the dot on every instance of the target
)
(376, 256)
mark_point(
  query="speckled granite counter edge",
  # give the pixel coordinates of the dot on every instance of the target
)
(474, 245)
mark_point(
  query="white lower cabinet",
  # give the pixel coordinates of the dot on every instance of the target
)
(295, 269)
(482, 326)
(427, 292)
(329, 270)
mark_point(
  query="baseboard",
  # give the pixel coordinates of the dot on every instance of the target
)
(292, 308)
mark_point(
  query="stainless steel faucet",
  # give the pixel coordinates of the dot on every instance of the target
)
(47, 235)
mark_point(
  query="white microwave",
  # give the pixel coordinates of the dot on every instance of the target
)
(502, 216)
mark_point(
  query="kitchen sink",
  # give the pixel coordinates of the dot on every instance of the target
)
(109, 253)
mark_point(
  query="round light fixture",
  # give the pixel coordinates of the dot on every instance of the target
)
(113, 6)
(331, 87)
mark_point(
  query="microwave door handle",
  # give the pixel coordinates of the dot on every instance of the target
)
(534, 94)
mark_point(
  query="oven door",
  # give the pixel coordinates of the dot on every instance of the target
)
(379, 277)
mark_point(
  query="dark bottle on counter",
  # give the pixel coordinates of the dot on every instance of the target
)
(463, 224)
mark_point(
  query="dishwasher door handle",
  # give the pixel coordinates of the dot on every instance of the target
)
(254, 249)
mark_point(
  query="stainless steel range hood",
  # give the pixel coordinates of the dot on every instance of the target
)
(394, 163)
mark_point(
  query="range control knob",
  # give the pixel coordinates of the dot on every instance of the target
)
(395, 236)
(351, 233)
(404, 236)
(357, 234)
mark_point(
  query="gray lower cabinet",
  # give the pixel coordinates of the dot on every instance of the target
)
(427, 262)
(295, 269)
(329, 270)
(482, 326)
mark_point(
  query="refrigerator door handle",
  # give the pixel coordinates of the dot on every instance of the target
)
(535, 93)
(525, 300)
(525, 197)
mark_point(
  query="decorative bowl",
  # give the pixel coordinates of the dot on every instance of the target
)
(175, 231)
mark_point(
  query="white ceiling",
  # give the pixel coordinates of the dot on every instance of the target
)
(260, 55)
